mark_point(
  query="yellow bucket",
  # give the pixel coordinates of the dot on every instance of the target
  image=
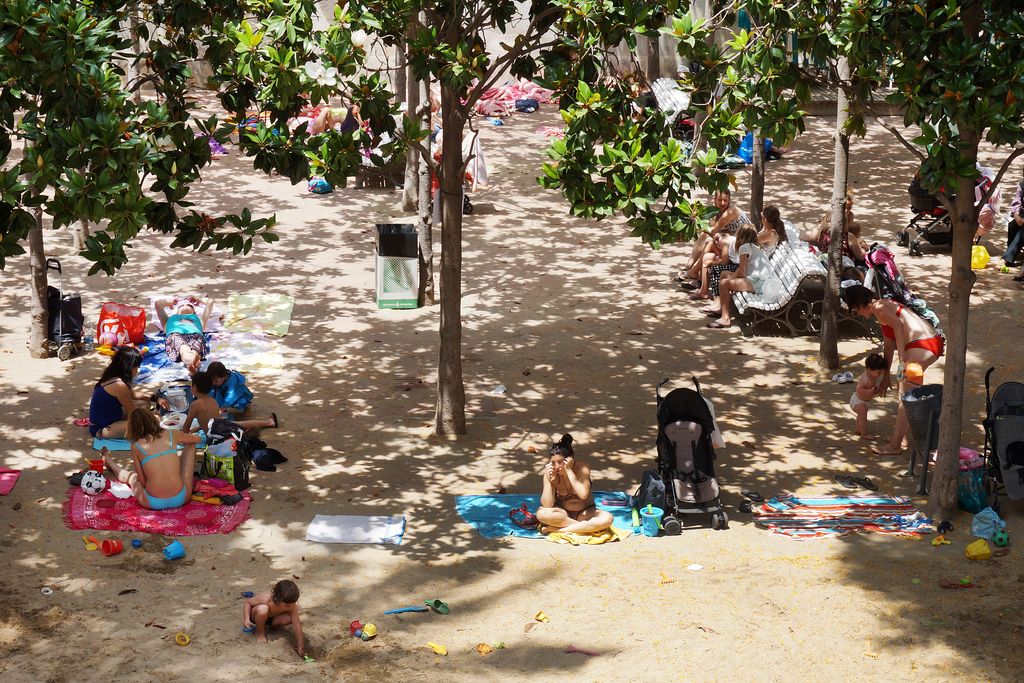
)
(978, 550)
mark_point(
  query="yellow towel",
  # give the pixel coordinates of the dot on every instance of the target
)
(266, 313)
(607, 536)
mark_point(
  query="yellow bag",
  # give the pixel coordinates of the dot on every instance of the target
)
(979, 550)
(979, 257)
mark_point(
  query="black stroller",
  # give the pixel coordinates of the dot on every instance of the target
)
(686, 458)
(66, 321)
(1004, 439)
(930, 223)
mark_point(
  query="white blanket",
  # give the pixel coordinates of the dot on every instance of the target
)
(387, 529)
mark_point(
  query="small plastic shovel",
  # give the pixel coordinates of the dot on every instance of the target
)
(91, 543)
(439, 606)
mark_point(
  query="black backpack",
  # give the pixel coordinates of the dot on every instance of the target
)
(650, 492)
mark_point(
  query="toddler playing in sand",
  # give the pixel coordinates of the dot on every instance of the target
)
(866, 390)
(279, 607)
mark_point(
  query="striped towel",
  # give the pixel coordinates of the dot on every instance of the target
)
(833, 516)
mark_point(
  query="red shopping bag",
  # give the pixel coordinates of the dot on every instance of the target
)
(126, 323)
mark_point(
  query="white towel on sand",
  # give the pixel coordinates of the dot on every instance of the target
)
(356, 529)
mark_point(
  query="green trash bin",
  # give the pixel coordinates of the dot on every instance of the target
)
(397, 265)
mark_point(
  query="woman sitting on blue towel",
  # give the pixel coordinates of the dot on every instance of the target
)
(113, 396)
(229, 389)
(566, 502)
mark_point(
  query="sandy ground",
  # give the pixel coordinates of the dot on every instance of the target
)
(579, 321)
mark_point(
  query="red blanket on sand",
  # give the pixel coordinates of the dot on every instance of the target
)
(82, 511)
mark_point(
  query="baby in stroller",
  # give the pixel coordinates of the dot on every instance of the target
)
(931, 222)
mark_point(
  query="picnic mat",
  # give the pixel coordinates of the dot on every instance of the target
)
(8, 478)
(832, 516)
(266, 313)
(82, 511)
(488, 514)
(387, 529)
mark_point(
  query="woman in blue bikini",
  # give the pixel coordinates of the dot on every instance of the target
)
(162, 479)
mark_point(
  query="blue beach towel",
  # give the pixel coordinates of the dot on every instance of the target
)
(156, 366)
(111, 444)
(488, 514)
(126, 445)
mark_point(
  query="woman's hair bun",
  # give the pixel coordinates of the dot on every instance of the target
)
(563, 447)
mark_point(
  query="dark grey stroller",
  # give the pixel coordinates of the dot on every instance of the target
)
(64, 317)
(931, 222)
(686, 458)
(1004, 438)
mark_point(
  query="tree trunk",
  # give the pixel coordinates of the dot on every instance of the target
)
(828, 349)
(135, 66)
(426, 238)
(39, 328)
(79, 234)
(450, 415)
(401, 78)
(410, 192)
(653, 57)
(942, 494)
(757, 181)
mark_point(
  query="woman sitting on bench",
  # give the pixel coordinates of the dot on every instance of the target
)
(754, 274)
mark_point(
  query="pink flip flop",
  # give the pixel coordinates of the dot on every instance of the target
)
(82, 422)
(522, 517)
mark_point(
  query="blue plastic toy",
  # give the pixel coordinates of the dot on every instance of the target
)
(406, 609)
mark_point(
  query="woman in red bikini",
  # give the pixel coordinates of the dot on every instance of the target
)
(912, 338)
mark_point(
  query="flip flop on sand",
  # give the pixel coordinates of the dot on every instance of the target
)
(846, 481)
(689, 284)
(886, 450)
(865, 482)
(696, 296)
(717, 325)
(752, 495)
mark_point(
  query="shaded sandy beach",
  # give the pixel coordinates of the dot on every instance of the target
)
(580, 322)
